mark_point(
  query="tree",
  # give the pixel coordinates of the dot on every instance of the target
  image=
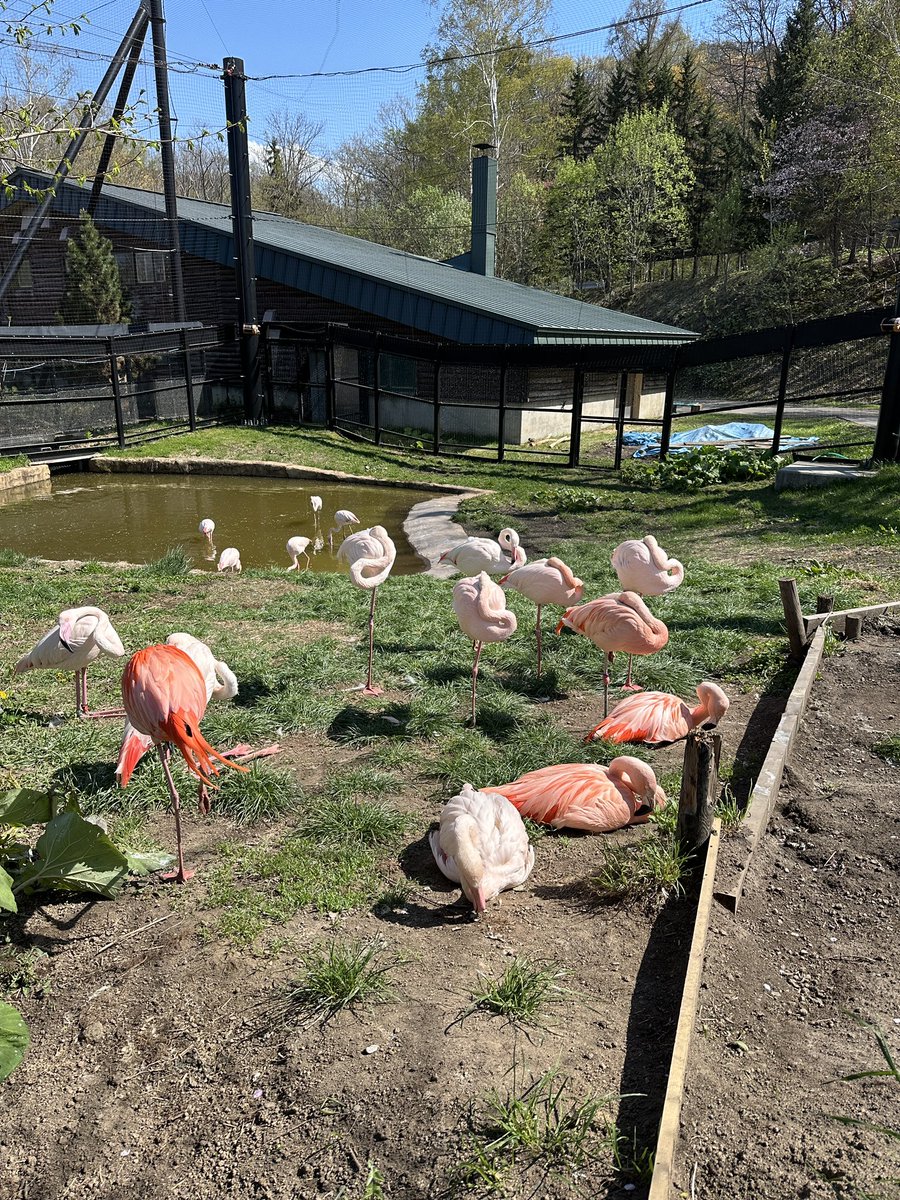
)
(579, 115)
(202, 170)
(782, 98)
(286, 180)
(616, 101)
(93, 293)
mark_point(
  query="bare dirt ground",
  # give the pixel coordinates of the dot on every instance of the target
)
(810, 954)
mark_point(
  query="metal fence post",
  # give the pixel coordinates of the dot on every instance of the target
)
(577, 405)
(376, 392)
(267, 366)
(620, 418)
(668, 408)
(330, 405)
(782, 386)
(189, 380)
(501, 412)
(887, 434)
(436, 409)
(117, 395)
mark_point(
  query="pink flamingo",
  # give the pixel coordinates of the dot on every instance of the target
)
(475, 554)
(620, 621)
(229, 560)
(371, 555)
(480, 608)
(643, 567)
(81, 636)
(165, 699)
(207, 528)
(482, 844)
(587, 796)
(657, 717)
(545, 581)
(344, 519)
(295, 547)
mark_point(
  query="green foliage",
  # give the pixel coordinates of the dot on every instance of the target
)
(782, 97)
(701, 467)
(522, 993)
(349, 822)
(12, 461)
(888, 749)
(93, 294)
(653, 867)
(337, 976)
(175, 562)
(573, 500)
(14, 1039)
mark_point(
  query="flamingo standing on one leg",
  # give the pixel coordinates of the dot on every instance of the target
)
(230, 560)
(165, 699)
(658, 717)
(316, 505)
(587, 796)
(642, 566)
(371, 554)
(295, 547)
(480, 608)
(344, 519)
(475, 554)
(620, 621)
(482, 844)
(81, 636)
(545, 581)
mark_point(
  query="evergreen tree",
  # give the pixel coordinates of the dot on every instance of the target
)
(686, 98)
(639, 75)
(579, 118)
(616, 102)
(781, 99)
(663, 86)
(93, 293)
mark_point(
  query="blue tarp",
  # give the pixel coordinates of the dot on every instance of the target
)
(734, 433)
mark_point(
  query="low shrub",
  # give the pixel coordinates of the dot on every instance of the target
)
(702, 467)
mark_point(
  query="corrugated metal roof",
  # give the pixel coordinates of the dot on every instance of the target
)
(419, 292)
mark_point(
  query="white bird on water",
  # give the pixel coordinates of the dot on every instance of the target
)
(344, 519)
(476, 554)
(207, 528)
(295, 547)
(229, 560)
(316, 503)
(81, 636)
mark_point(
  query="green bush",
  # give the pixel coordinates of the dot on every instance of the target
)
(702, 467)
(574, 500)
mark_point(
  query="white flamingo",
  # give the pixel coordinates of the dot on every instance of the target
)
(371, 555)
(295, 547)
(316, 503)
(207, 528)
(480, 608)
(81, 636)
(229, 560)
(475, 554)
(545, 581)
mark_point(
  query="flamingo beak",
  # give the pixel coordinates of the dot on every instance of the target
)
(65, 633)
(479, 903)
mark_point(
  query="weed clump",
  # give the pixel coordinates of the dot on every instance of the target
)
(337, 976)
(652, 868)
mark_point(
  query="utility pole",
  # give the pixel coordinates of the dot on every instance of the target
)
(167, 151)
(242, 231)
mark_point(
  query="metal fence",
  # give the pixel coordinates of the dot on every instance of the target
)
(62, 392)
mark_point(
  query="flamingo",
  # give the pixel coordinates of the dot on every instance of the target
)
(207, 528)
(480, 608)
(81, 636)
(618, 621)
(643, 567)
(475, 554)
(587, 796)
(545, 581)
(295, 547)
(316, 504)
(343, 520)
(221, 684)
(482, 844)
(165, 699)
(229, 560)
(657, 717)
(371, 554)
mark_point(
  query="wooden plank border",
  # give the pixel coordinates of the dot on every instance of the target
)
(765, 791)
(870, 610)
(669, 1126)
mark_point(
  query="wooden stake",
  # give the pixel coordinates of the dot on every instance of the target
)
(699, 789)
(793, 616)
(852, 628)
(824, 604)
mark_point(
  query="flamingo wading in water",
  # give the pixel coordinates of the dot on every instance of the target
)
(480, 608)
(659, 717)
(344, 519)
(81, 636)
(620, 621)
(316, 505)
(642, 566)
(482, 844)
(545, 581)
(165, 699)
(587, 796)
(295, 547)
(371, 554)
(207, 528)
(476, 554)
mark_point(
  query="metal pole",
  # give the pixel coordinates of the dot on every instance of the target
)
(887, 435)
(620, 417)
(71, 151)
(376, 392)
(577, 405)
(501, 411)
(330, 386)
(782, 387)
(269, 371)
(668, 408)
(436, 409)
(166, 151)
(242, 233)
(118, 112)
(117, 395)
(189, 380)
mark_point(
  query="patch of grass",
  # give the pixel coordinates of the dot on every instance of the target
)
(9, 462)
(633, 1161)
(373, 1184)
(522, 993)
(729, 811)
(345, 821)
(654, 867)
(25, 974)
(175, 562)
(395, 896)
(12, 558)
(888, 749)
(337, 976)
(262, 794)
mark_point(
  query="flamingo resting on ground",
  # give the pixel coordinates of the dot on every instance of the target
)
(371, 555)
(545, 581)
(480, 608)
(165, 699)
(620, 621)
(344, 519)
(658, 717)
(482, 844)
(295, 547)
(643, 567)
(81, 636)
(587, 796)
(229, 560)
(475, 554)
(207, 528)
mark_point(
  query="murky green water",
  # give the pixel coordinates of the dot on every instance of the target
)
(136, 518)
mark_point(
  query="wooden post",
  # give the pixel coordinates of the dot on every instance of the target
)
(577, 405)
(852, 628)
(117, 394)
(699, 789)
(824, 604)
(436, 409)
(793, 616)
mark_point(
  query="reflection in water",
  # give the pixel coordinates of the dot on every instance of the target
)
(139, 517)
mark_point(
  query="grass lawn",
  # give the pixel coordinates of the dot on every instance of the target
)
(326, 839)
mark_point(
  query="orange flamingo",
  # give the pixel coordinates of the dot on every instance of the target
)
(165, 698)
(620, 621)
(644, 567)
(587, 796)
(545, 581)
(657, 717)
(480, 608)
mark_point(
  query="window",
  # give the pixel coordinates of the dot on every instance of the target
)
(24, 281)
(150, 266)
(397, 374)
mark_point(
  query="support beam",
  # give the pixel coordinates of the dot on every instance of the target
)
(118, 112)
(167, 152)
(887, 435)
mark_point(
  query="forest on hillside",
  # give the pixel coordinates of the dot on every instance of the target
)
(745, 179)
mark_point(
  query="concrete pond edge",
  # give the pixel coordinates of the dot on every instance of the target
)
(23, 476)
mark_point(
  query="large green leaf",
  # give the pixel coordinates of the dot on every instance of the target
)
(75, 855)
(24, 806)
(14, 1039)
(143, 862)
(7, 899)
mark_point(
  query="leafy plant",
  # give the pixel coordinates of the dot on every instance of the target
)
(889, 1071)
(888, 749)
(14, 1039)
(701, 467)
(574, 500)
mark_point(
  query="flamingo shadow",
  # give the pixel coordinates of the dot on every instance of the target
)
(353, 724)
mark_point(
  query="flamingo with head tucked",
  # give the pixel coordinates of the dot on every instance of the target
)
(230, 560)
(482, 844)
(344, 519)
(476, 554)
(642, 566)
(81, 636)
(480, 608)
(370, 554)
(545, 581)
(295, 547)
(620, 621)
(658, 717)
(586, 796)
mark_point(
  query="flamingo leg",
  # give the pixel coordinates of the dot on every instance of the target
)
(628, 685)
(308, 560)
(370, 689)
(179, 876)
(609, 659)
(78, 702)
(538, 631)
(478, 648)
(81, 701)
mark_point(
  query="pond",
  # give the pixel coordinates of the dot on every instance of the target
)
(136, 518)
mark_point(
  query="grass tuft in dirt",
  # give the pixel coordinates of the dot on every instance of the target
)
(652, 868)
(888, 749)
(337, 976)
(262, 794)
(523, 992)
(343, 821)
(175, 562)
